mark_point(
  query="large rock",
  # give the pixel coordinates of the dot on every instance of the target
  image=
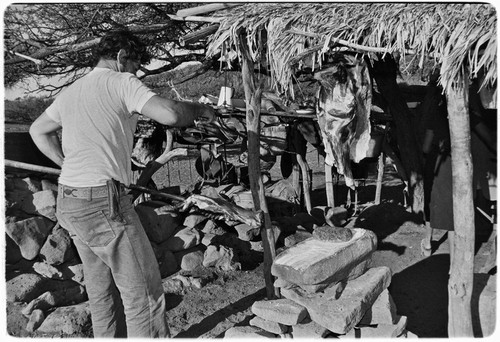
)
(158, 226)
(47, 270)
(50, 299)
(340, 314)
(35, 320)
(313, 262)
(58, 248)
(190, 259)
(284, 311)
(183, 238)
(168, 263)
(42, 203)
(68, 321)
(353, 273)
(221, 257)
(246, 232)
(30, 234)
(25, 287)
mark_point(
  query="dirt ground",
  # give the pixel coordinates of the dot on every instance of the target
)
(418, 287)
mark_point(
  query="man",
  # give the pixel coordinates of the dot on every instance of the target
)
(98, 116)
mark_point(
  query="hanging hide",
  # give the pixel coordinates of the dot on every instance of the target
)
(343, 111)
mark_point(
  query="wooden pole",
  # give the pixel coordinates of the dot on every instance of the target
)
(462, 259)
(32, 167)
(380, 176)
(205, 9)
(193, 37)
(330, 196)
(253, 99)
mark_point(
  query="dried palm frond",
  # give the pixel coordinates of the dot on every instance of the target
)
(458, 36)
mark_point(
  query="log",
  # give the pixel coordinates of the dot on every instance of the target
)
(253, 96)
(462, 259)
(205, 9)
(193, 37)
(32, 167)
(196, 18)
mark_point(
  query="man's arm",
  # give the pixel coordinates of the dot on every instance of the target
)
(176, 113)
(44, 134)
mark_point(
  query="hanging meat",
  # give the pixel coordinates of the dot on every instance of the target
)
(343, 111)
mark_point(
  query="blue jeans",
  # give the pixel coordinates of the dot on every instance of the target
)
(122, 276)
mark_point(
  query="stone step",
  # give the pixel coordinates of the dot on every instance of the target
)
(284, 311)
(309, 329)
(340, 314)
(383, 311)
(313, 262)
(272, 327)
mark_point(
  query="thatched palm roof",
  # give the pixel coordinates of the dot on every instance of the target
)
(456, 35)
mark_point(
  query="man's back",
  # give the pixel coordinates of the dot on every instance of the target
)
(97, 116)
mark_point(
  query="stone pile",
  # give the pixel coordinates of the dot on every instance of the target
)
(45, 275)
(328, 290)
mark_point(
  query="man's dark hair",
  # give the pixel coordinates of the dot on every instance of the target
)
(114, 41)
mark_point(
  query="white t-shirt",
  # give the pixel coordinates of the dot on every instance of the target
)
(98, 114)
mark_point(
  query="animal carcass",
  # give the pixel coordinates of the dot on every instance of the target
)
(343, 111)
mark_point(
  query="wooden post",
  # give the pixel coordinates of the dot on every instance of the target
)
(462, 259)
(253, 99)
(380, 176)
(330, 197)
(306, 182)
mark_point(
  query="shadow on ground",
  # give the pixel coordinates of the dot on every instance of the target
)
(420, 292)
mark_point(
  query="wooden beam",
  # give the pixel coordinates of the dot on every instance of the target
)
(462, 259)
(196, 18)
(193, 37)
(253, 96)
(205, 9)
(32, 167)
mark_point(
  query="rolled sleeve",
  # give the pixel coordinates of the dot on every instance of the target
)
(137, 94)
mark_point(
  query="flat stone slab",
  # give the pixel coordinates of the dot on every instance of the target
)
(309, 329)
(380, 330)
(272, 327)
(284, 311)
(247, 332)
(383, 311)
(313, 262)
(340, 314)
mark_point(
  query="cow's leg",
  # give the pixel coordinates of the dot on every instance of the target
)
(426, 243)
(306, 182)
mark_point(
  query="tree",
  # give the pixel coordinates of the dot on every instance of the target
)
(57, 39)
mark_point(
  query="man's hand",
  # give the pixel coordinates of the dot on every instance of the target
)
(208, 114)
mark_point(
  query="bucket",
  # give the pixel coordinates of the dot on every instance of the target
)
(226, 93)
